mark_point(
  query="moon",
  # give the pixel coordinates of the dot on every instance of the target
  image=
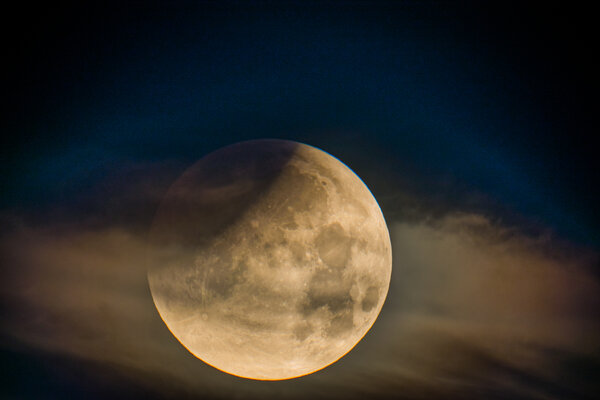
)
(271, 259)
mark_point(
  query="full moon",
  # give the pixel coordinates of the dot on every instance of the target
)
(271, 259)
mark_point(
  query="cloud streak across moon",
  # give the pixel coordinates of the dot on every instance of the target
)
(475, 306)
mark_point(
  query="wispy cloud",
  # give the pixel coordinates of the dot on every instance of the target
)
(475, 310)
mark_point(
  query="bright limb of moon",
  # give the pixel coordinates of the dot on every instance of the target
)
(271, 260)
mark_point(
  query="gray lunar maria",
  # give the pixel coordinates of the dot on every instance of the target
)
(270, 259)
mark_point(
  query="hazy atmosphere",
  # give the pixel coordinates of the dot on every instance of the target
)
(470, 125)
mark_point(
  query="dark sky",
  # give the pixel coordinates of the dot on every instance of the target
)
(444, 109)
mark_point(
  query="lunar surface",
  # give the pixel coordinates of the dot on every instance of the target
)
(271, 259)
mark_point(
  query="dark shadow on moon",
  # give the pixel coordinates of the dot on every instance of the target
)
(215, 191)
(204, 201)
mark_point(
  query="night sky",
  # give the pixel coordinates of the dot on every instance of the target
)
(471, 122)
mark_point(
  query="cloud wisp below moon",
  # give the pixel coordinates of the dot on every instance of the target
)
(475, 309)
